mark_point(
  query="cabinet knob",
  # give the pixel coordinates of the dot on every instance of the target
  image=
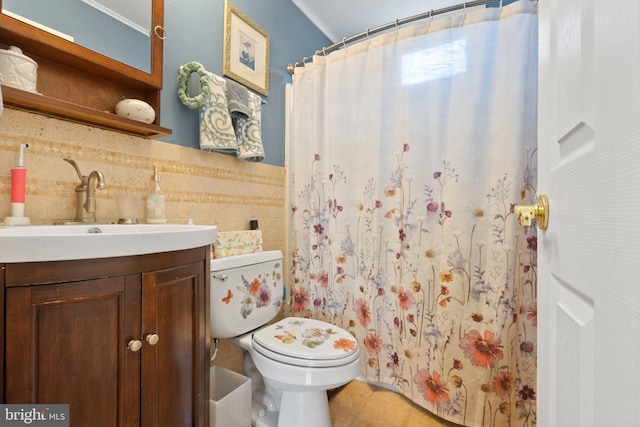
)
(152, 339)
(135, 345)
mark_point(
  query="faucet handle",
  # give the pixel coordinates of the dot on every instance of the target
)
(75, 166)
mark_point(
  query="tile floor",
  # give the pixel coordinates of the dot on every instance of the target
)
(359, 404)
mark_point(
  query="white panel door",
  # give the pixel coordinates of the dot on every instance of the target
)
(589, 257)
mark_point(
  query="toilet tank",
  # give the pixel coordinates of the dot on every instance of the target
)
(246, 292)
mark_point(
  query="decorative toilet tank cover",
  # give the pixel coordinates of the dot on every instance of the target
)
(307, 339)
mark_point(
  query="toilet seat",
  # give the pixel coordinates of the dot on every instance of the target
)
(306, 342)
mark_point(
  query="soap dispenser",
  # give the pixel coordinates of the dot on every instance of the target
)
(156, 201)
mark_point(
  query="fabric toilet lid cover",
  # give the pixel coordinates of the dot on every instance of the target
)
(307, 339)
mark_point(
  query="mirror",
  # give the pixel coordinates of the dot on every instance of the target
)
(81, 84)
(102, 26)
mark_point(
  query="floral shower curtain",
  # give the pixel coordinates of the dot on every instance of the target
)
(409, 151)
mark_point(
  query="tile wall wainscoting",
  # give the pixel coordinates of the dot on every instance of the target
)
(208, 188)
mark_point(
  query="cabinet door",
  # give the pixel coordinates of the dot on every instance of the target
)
(175, 369)
(67, 343)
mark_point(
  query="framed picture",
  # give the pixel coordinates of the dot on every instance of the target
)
(246, 50)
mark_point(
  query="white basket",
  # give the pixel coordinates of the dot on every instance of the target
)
(230, 398)
(18, 70)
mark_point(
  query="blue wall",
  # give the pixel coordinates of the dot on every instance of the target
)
(195, 33)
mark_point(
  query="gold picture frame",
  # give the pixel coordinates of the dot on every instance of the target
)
(246, 50)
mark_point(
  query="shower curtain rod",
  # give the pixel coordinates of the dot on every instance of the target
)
(324, 51)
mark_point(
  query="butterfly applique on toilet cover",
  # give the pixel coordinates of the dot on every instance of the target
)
(307, 339)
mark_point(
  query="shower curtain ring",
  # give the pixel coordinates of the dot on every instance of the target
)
(324, 51)
(500, 5)
(368, 35)
(344, 42)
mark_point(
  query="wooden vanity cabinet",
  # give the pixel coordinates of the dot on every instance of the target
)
(73, 328)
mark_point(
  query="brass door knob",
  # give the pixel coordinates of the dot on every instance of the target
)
(538, 213)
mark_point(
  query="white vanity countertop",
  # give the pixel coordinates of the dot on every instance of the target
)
(36, 243)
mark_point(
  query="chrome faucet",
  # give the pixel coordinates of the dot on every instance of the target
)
(85, 193)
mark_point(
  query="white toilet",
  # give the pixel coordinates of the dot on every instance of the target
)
(293, 362)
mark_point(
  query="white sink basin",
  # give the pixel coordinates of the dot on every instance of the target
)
(85, 241)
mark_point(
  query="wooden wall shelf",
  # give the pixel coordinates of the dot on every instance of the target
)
(48, 106)
(81, 85)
